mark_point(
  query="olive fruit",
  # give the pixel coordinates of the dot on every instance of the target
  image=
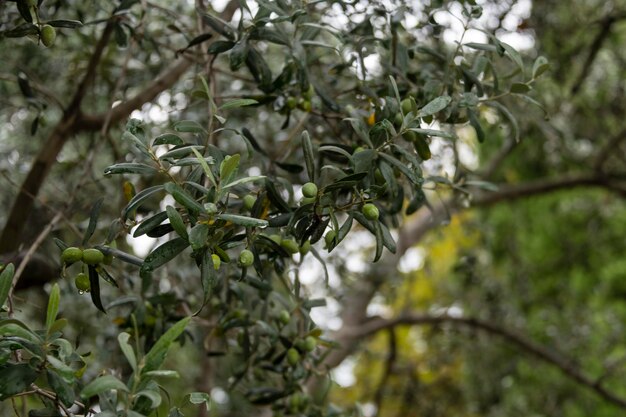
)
(309, 343)
(308, 200)
(293, 356)
(329, 238)
(290, 245)
(407, 107)
(284, 317)
(309, 190)
(246, 258)
(370, 211)
(92, 256)
(422, 148)
(305, 248)
(82, 282)
(248, 202)
(48, 35)
(292, 102)
(216, 261)
(276, 239)
(71, 255)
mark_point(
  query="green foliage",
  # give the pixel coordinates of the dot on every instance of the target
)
(209, 175)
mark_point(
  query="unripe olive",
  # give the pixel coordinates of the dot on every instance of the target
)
(216, 261)
(305, 248)
(308, 93)
(71, 255)
(293, 356)
(310, 343)
(276, 239)
(246, 258)
(370, 211)
(308, 200)
(82, 282)
(328, 239)
(290, 245)
(309, 190)
(284, 317)
(48, 35)
(92, 256)
(406, 105)
(409, 136)
(422, 148)
(248, 202)
(291, 102)
(397, 120)
(306, 106)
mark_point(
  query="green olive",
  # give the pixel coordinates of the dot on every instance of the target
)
(292, 102)
(310, 343)
(48, 35)
(92, 256)
(276, 239)
(290, 245)
(216, 261)
(248, 202)
(246, 258)
(329, 238)
(370, 211)
(305, 248)
(407, 107)
(82, 282)
(284, 317)
(71, 255)
(293, 356)
(309, 190)
(422, 148)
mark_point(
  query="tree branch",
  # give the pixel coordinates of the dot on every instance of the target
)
(124, 109)
(567, 366)
(605, 30)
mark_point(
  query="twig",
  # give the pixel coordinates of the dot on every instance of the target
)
(567, 366)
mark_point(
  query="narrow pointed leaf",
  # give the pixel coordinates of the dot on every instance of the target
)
(53, 306)
(155, 357)
(102, 384)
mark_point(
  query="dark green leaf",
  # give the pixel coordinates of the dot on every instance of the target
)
(180, 151)
(164, 253)
(198, 236)
(150, 223)
(155, 357)
(183, 198)
(540, 66)
(177, 222)
(93, 220)
(139, 199)
(15, 378)
(62, 389)
(189, 126)
(63, 23)
(102, 384)
(130, 168)
(168, 139)
(219, 25)
(242, 102)
(94, 288)
(21, 30)
(243, 220)
(24, 9)
(53, 306)
(218, 47)
(519, 88)
(435, 106)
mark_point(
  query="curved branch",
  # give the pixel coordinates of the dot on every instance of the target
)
(565, 365)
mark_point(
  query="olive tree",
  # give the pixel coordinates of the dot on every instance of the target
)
(245, 143)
